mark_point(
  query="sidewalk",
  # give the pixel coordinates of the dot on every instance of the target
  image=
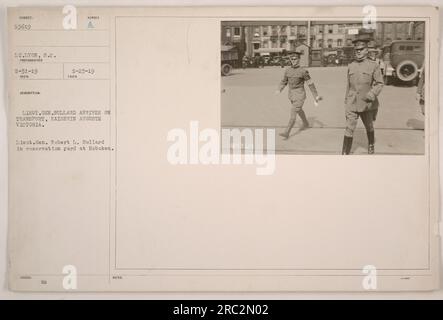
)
(329, 141)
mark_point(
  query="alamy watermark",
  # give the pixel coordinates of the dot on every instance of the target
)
(370, 280)
(234, 146)
(70, 278)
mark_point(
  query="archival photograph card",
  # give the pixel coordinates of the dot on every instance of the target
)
(223, 149)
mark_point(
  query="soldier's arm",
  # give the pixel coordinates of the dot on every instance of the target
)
(311, 85)
(347, 86)
(377, 83)
(283, 82)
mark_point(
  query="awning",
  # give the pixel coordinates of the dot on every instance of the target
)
(227, 48)
(269, 50)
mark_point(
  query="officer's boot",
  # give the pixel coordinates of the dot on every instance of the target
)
(288, 129)
(347, 145)
(302, 116)
(371, 140)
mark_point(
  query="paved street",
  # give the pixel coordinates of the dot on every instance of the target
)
(248, 100)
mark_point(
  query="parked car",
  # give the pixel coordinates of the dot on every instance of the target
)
(259, 61)
(403, 61)
(266, 59)
(275, 61)
(285, 61)
(229, 59)
(330, 58)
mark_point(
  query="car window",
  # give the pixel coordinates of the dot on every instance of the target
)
(418, 48)
(409, 47)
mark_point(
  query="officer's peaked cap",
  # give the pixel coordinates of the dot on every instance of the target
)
(361, 39)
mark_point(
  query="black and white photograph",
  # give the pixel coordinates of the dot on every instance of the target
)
(280, 151)
(326, 87)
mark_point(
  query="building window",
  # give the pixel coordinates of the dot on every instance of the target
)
(236, 31)
(265, 31)
(265, 44)
(283, 30)
(330, 43)
(256, 32)
(256, 46)
(274, 31)
(388, 27)
(335, 28)
(401, 27)
(339, 42)
(228, 32)
(419, 31)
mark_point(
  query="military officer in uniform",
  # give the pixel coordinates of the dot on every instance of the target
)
(295, 78)
(372, 54)
(364, 84)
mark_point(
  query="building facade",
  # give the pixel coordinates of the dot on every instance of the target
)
(254, 38)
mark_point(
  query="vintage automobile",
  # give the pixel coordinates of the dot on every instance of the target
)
(274, 60)
(266, 59)
(253, 62)
(259, 61)
(285, 61)
(332, 57)
(229, 59)
(402, 61)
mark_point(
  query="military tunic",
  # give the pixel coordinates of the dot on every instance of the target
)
(364, 84)
(294, 78)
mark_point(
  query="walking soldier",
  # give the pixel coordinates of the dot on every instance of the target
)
(364, 84)
(295, 78)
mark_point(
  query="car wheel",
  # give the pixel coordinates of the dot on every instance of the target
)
(226, 69)
(407, 70)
